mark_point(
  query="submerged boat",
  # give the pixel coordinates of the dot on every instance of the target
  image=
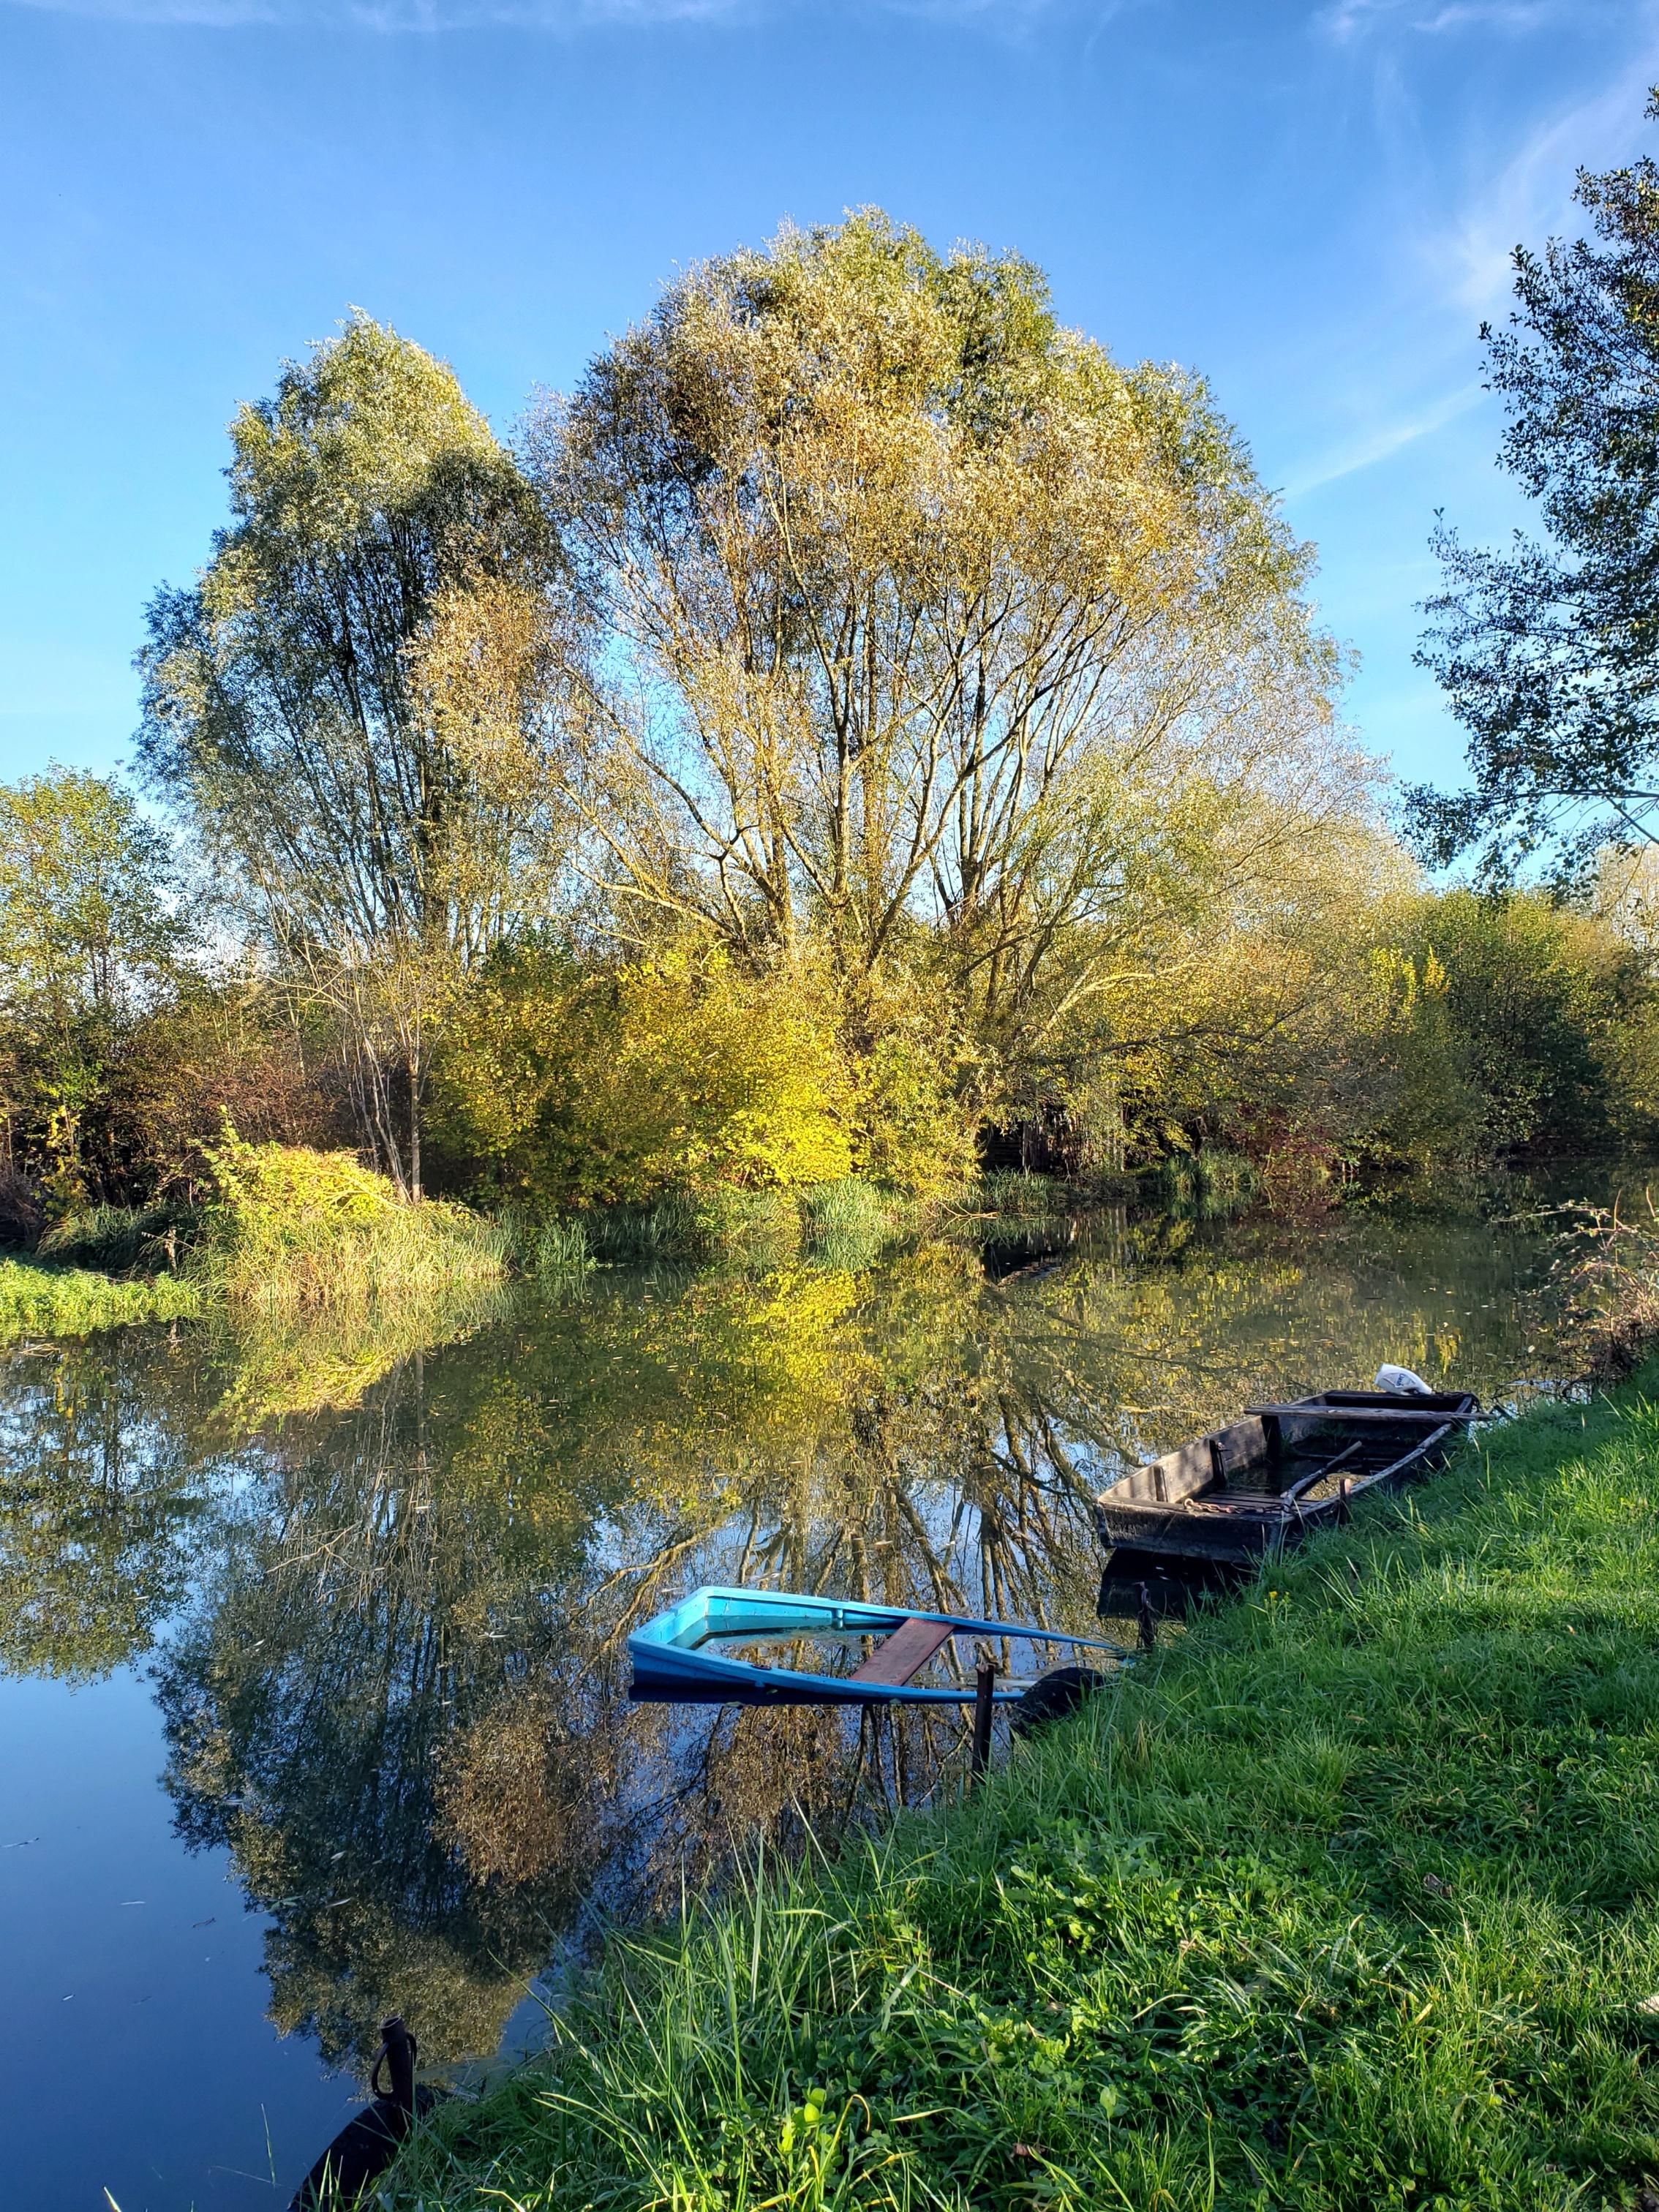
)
(1279, 1472)
(672, 1664)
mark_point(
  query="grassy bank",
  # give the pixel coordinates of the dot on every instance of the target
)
(1346, 1899)
(72, 1301)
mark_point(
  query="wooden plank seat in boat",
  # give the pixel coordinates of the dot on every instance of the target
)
(903, 1654)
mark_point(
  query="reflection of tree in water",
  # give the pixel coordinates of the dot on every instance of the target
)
(370, 1623)
(399, 1696)
(100, 1504)
(402, 1702)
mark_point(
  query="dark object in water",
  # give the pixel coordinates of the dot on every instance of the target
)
(1058, 1693)
(1169, 1587)
(368, 2142)
(1282, 1471)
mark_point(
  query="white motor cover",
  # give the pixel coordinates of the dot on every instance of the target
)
(1401, 1382)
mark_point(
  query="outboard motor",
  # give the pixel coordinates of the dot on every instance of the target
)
(1400, 1382)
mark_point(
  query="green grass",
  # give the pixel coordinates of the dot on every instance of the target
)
(121, 1240)
(555, 1250)
(847, 1223)
(759, 1229)
(1016, 1196)
(1344, 1901)
(1207, 1183)
(36, 1300)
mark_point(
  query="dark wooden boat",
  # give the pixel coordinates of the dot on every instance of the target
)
(1281, 1472)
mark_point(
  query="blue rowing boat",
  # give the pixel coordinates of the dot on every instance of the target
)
(672, 1665)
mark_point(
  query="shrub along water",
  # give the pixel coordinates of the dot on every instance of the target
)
(1343, 1900)
(291, 1226)
(123, 1240)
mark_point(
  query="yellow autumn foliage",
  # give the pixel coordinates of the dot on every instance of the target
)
(579, 1089)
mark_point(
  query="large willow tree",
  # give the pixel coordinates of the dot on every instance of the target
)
(920, 627)
(353, 703)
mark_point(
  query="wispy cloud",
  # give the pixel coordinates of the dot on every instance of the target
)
(1348, 19)
(1455, 202)
(398, 15)
(1001, 17)
(1381, 440)
(1531, 197)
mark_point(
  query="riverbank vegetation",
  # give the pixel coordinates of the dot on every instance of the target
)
(37, 1301)
(1346, 1899)
(865, 733)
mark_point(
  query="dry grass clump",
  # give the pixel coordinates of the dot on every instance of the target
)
(1610, 1267)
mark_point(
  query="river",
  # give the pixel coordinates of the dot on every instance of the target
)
(312, 1702)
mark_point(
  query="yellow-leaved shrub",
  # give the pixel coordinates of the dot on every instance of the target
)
(675, 1073)
(293, 1226)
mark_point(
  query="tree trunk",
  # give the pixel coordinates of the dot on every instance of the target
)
(415, 1126)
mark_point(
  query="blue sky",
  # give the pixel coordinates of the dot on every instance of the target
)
(1310, 201)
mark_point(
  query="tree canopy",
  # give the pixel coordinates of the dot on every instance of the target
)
(864, 728)
(350, 704)
(90, 927)
(1549, 652)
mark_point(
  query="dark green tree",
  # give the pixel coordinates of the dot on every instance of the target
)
(1549, 650)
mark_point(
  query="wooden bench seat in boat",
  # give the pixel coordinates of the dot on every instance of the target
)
(903, 1654)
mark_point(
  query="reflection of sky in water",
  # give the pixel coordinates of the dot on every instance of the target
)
(357, 1598)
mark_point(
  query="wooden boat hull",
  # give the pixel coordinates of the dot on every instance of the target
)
(1267, 1481)
(671, 1667)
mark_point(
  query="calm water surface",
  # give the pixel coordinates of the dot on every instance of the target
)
(313, 1705)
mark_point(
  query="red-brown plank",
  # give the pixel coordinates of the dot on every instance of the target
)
(903, 1654)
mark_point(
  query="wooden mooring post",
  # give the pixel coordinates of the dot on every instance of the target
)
(985, 1684)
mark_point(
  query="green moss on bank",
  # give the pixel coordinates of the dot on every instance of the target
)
(37, 1301)
(1346, 1900)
